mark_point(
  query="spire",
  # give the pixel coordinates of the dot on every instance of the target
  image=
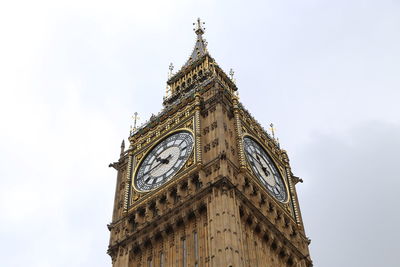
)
(122, 147)
(200, 48)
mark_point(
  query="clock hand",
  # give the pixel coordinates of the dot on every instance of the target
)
(161, 160)
(257, 158)
(254, 158)
(263, 168)
(166, 160)
(144, 174)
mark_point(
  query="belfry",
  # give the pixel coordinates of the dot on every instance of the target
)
(203, 184)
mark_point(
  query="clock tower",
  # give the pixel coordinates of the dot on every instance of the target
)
(203, 184)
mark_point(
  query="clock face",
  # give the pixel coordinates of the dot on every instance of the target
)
(163, 161)
(264, 168)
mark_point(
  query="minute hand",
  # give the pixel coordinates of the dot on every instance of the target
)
(153, 168)
(255, 159)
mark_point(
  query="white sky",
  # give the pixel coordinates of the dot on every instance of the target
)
(73, 72)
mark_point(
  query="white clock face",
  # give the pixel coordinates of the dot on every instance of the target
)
(264, 168)
(164, 161)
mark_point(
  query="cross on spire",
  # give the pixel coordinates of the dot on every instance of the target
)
(199, 30)
(135, 118)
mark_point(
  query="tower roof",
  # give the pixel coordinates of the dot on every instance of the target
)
(200, 47)
(199, 57)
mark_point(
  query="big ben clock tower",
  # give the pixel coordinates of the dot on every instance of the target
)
(203, 184)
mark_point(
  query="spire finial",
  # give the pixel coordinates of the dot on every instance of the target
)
(171, 68)
(273, 134)
(199, 30)
(135, 118)
(170, 74)
(231, 73)
(122, 147)
(200, 47)
(272, 130)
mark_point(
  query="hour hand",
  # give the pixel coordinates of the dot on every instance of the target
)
(164, 161)
(265, 170)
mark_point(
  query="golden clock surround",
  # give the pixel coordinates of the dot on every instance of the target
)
(150, 148)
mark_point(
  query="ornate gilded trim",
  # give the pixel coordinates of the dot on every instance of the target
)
(239, 133)
(128, 182)
(198, 130)
(294, 202)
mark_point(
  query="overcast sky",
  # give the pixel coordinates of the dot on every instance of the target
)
(72, 73)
